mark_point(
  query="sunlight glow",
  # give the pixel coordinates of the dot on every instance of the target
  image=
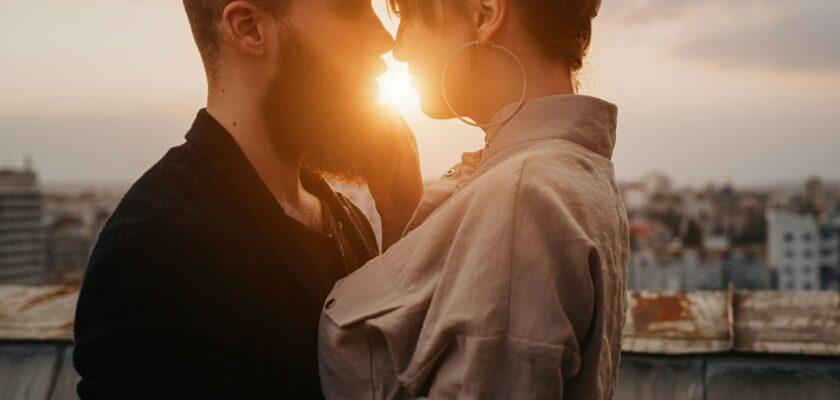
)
(395, 87)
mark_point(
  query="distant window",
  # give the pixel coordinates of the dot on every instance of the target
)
(788, 237)
(789, 271)
(808, 253)
(807, 286)
(826, 252)
(808, 270)
(789, 254)
(790, 286)
(807, 237)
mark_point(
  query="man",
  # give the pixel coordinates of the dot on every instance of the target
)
(208, 280)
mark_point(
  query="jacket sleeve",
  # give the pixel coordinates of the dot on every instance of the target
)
(550, 308)
(150, 320)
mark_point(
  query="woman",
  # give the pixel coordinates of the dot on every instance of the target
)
(509, 280)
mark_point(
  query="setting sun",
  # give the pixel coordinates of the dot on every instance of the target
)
(395, 87)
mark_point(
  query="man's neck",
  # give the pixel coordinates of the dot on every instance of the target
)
(241, 116)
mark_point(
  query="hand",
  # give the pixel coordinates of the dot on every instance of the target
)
(393, 176)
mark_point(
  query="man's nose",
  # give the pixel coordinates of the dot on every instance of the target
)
(399, 46)
(381, 40)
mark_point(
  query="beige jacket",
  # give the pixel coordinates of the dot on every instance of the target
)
(510, 281)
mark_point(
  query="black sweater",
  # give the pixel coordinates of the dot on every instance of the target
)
(201, 287)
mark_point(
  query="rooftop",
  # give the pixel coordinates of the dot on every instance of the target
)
(697, 345)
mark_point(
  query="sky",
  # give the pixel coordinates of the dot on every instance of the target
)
(742, 91)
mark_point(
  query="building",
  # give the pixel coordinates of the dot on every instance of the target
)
(69, 244)
(22, 236)
(646, 271)
(829, 255)
(682, 269)
(746, 268)
(73, 217)
(700, 269)
(803, 251)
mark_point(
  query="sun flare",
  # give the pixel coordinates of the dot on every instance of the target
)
(395, 87)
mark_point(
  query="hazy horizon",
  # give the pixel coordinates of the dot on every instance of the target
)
(708, 91)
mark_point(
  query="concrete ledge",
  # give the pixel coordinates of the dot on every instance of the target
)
(657, 323)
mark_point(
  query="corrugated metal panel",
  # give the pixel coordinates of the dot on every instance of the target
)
(677, 323)
(644, 377)
(788, 323)
(66, 380)
(37, 312)
(728, 376)
(26, 371)
(709, 322)
(746, 377)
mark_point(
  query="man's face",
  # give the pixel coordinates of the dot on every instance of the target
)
(320, 102)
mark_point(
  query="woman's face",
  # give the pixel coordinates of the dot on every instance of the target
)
(426, 47)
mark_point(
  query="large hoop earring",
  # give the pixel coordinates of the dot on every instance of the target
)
(496, 46)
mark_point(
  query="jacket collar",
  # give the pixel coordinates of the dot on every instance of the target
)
(216, 145)
(587, 121)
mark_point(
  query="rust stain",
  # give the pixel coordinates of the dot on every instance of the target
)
(652, 314)
(58, 292)
(68, 326)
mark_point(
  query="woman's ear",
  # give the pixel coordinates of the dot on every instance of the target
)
(241, 22)
(489, 18)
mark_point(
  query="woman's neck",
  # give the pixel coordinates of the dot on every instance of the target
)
(544, 78)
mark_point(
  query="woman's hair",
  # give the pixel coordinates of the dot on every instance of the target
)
(562, 28)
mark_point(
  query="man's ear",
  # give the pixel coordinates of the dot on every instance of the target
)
(244, 27)
(489, 16)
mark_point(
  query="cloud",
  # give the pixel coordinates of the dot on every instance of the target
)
(805, 39)
(778, 34)
(653, 11)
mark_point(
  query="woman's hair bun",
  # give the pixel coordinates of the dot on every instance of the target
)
(562, 28)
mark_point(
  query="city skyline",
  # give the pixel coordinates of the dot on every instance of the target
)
(708, 91)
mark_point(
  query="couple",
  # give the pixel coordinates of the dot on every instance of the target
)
(233, 270)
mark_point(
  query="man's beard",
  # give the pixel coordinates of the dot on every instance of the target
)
(320, 116)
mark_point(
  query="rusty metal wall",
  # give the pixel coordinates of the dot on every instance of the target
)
(753, 322)
(37, 312)
(657, 323)
(678, 323)
(787, 323)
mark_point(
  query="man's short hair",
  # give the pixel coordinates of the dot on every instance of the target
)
(205, 16)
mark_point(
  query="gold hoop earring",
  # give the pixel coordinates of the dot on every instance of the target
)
(496, 46)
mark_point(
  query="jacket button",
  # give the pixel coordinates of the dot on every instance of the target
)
(330, 304)
(450, 172)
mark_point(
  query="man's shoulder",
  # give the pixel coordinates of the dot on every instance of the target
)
(163, 228)
(175, 196)
(177, 183)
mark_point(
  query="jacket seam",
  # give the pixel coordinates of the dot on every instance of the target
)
(513, 240)
(503, 150)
